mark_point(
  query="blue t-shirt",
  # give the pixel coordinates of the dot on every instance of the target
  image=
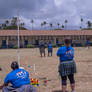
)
(50, 46)
(17, 78)
(88, 42)
(65, 53)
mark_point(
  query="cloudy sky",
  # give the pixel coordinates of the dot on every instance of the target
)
(51, 11)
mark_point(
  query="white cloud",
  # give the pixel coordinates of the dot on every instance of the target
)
(58, 2)
(52, 11)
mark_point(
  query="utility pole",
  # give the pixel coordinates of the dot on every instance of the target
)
(18, 33)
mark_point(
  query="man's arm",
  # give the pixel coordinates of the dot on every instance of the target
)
(4, 84)
(59, 52)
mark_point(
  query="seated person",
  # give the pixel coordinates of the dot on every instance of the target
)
(19, 78)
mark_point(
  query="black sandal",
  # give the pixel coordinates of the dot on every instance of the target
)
(0, 69)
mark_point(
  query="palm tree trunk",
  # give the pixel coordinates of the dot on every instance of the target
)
(32, 26)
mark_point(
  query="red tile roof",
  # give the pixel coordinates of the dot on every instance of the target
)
(44, 32)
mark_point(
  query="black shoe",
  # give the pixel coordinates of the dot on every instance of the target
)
(0, 69)
(65, 91)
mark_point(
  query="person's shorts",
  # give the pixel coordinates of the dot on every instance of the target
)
(24, 88)
(67, 67)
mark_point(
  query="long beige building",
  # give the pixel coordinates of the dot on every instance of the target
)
(8, 38)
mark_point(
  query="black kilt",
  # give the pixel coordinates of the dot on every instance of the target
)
(67, 67)
(42, 50)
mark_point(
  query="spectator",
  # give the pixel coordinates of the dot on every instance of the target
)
(42, 48)
(50, 48)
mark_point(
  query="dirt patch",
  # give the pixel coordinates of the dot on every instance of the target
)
(47, 68)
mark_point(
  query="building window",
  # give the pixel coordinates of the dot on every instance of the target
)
(13, 38)
(41, 37)
(51, 38)
(4, 37)
(77, 38)
(48, 37)
(16, 38)
(9, 37)
(44, 37)
(25, 38)
(38, 38)
(83, 37)
(80, 37)
(72, 37)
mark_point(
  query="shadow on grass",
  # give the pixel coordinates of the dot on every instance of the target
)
(57, 91)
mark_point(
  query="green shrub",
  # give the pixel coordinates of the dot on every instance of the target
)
(83, 45)
(62, 45)
(15, 47)
(30, 46)
(54, 46)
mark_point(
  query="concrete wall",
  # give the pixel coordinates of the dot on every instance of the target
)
(12, 40)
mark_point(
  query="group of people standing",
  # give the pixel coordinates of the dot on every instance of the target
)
(43, 46)
(19, 78)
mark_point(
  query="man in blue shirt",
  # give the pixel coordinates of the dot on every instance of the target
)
(50, 48)
(19, 78)
(67, 66)
(88, 43)
(65, 53)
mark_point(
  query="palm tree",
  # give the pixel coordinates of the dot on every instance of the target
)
(22, 24)
(14, 21)
(89, 24)
(51, 25)
(44, 23)
(58, 25)
(66, 21)
(6, 22)
(41, 25)
(62, 26)
(0, 26)
(80, 27)
(32, 21)
(4, 26)
(81, 23)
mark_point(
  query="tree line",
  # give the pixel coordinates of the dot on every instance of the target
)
(89, 24)
(12, 24)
